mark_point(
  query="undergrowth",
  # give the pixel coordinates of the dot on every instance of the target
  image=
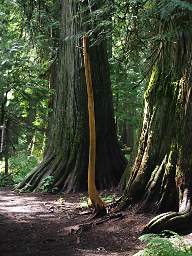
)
(161, 245)
(47, 185)
(107, 198)
(6, 180)
(19, 166)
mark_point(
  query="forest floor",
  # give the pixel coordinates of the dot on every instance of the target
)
(39, 224)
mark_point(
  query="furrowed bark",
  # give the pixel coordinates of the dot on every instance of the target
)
(67, 154)
(161, 179)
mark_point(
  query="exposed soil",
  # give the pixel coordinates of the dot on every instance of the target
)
(40, 224)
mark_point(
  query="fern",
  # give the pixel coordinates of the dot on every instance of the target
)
(160, 245)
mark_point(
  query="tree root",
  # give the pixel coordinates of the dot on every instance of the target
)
(99, 212)
(180, 222)
(92, 223)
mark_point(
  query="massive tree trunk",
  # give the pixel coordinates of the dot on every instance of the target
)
(161, 179)
(66, 157)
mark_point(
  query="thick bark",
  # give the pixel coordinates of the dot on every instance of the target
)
(153, 176)
(161, 179)
(66, 157)
(181, 221)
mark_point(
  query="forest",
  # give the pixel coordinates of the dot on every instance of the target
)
(95, 127)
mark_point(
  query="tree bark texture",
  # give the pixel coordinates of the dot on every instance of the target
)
(161, 178)
(66, 157)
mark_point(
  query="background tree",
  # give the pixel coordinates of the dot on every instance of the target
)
(66, 156)
(128, 73)
(29, 56)
(161, 176)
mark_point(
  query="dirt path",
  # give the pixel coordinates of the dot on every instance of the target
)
(40, 224)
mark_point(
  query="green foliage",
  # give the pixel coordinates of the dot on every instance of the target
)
(167, 8)
(160, 245)
(6, 180)
(20, 165)
(107, 198)
(24, 89)
(96, 19)
(40, 22)
(127, 70)
(47, 185)
(28, 44)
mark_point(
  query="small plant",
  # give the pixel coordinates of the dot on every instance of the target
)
(47, 185)
(160, 245)
(108, 198)
(84, 202)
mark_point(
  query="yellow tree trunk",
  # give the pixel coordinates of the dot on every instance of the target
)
(94, 199)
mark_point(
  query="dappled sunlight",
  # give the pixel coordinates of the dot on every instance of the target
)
(18, 207)
(99, 251)
(42, 222)
(67, 205)
(27, 208)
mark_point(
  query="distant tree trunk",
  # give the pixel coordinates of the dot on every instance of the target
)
(127, 134)
(66, 157)
(29, 123)
(4, 135)
(161, 178)
(7, 147)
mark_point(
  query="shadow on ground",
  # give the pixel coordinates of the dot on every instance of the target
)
(39, 224)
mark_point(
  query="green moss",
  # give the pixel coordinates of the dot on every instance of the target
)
(164, 87)
(161, 245)
(178, 88)
(175, 86)
(171, 90)
(152, 82)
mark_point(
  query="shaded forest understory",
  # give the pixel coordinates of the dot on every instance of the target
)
(75, 78)
(44, 224)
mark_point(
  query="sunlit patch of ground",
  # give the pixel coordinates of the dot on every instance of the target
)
(40, 224)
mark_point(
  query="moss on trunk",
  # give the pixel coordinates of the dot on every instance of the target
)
(162, 174)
